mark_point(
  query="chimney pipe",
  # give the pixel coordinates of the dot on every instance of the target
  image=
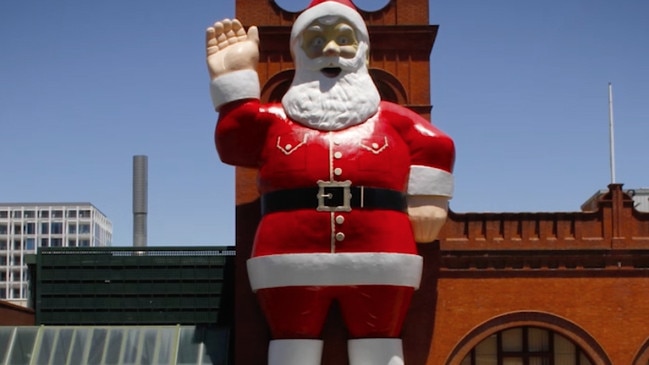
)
(140, 192)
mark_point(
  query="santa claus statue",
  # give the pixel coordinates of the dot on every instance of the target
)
(348, 185)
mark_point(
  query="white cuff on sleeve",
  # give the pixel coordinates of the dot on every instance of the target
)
(236, 85)
(426, 180)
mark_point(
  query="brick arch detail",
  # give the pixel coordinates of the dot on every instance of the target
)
(388, 85)
(642, 356)
(276, 86)
(390, 88)
(544, 320)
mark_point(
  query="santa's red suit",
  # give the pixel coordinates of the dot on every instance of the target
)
(304, 240)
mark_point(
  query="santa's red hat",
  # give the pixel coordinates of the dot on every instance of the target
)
(341, 8)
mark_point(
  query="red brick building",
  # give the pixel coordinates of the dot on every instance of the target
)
(15, 315)
(498, 288)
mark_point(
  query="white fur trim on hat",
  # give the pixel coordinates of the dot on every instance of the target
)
(236, 85)
(317, 269)
(330, 8)
(426, 180)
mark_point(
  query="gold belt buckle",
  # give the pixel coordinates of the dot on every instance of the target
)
(330, 186)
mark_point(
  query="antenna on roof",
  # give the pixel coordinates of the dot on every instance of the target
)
(610, 129)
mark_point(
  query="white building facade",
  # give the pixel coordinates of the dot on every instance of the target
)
(26, 226)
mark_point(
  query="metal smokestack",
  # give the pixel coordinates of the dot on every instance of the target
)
(140, 193)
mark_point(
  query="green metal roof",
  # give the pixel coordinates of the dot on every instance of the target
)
(133, 285)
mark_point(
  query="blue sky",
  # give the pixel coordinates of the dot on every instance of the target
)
(521, 86)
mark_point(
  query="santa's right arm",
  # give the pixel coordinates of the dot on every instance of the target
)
(232, 57)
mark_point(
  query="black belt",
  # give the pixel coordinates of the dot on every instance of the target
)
(333, 196)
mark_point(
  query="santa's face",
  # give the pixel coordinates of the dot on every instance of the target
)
(329, 38)
(332, 88)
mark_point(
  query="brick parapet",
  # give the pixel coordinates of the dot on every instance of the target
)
(616, 225)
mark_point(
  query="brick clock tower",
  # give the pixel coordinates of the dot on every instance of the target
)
(401, 42)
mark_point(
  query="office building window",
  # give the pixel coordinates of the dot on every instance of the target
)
(3, 293)
(16, 293)
(3, 244)
(17, 244)
(30, 244)
(56, 242)
(56, 228)
(3, 228)
(17, 228)
(45, 242)
(84, 243)
(30, 214)
(84, 228)
(17, 214)
(4, 214)
(84, 213)
(45, 228)
(72, 228)
(44, 213)
(72, 213)
(72, 242)
(30, 228)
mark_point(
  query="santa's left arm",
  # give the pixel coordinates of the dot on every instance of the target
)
(430, 184)
(429, 190)
(427, 215)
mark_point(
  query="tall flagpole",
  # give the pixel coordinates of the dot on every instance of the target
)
(611, 134)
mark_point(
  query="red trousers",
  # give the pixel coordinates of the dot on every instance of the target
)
(369, 311)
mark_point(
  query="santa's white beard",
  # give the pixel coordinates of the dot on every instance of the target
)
(334, 103)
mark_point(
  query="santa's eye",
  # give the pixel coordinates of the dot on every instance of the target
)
(343, 41)
(317, 42)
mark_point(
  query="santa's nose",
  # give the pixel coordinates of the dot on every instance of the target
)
(331, 49)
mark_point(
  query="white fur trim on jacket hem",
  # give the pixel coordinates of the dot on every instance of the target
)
(319, 269)
(236, 85)
(426, 180)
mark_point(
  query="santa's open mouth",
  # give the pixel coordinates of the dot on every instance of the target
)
(331, 71)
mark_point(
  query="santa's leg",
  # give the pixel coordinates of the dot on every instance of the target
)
(294, 352)
(295, 316)
(374, 316)
(375, 351)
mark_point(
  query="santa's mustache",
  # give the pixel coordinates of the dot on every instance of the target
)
(345, 64)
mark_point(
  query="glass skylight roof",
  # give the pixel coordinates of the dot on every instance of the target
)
(113, 345)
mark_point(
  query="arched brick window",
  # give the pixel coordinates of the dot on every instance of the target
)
(526, 346)
(528, 338)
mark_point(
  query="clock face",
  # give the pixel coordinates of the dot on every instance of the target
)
(293, 6)
(371, 5)
(299, 5)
